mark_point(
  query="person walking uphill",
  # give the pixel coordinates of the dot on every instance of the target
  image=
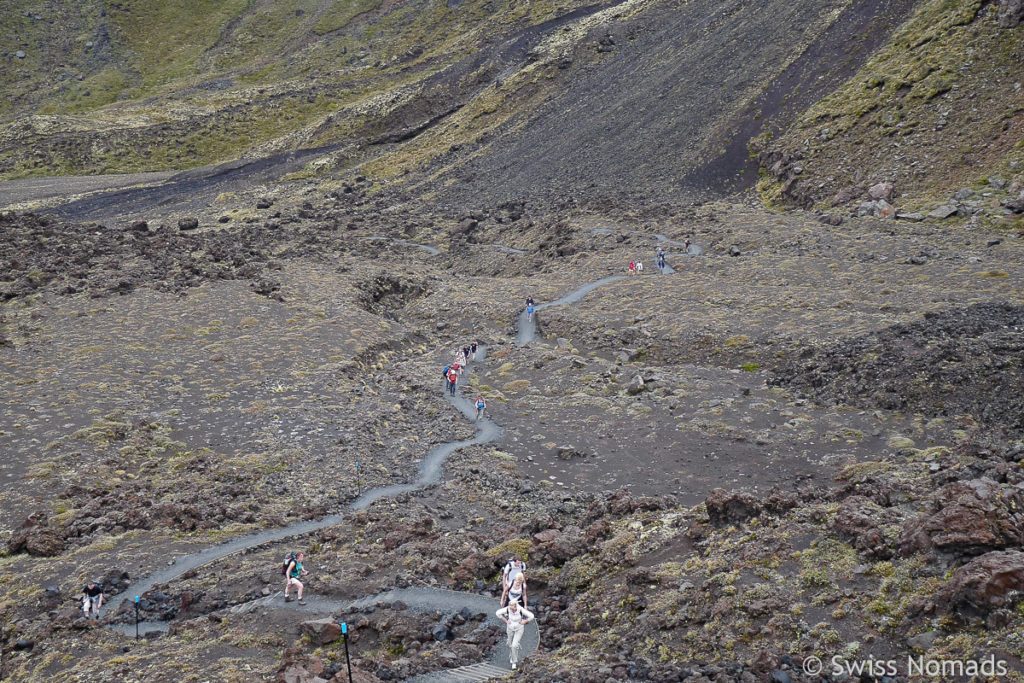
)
(92, 599)
(516, 618)
(453, 380)
(292, 572)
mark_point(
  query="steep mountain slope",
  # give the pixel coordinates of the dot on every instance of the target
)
(474, 102)
(940, 108)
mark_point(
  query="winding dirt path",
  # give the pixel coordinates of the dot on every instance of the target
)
(429, 473)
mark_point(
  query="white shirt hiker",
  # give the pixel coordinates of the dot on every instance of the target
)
(516, 620)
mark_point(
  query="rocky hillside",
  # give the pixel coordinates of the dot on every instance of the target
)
(474, 100)
(938, 113)
(798, 447)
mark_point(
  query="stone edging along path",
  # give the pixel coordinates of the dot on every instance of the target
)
(429, 473)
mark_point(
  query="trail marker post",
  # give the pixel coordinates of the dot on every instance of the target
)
(136, 617)
(348, 662)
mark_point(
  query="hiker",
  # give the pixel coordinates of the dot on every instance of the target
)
(457, 368)
(686, 246)
(92, 599)
(516, 592)
(639, 267)
(480, 406)
(460, 360)
(453, 380)
(513, 567)
(529, 312)
(661, 259)
(632, 267)
(466, 351)
(529, 301)
(472, 348)
(293, 570)
(515, 618)
(447, 368)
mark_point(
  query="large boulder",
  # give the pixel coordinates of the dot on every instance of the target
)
(968, 518)
(858, 522)
(730, 507)
(36, 537)
(321, 631)
(1011, 13)
(984, 584)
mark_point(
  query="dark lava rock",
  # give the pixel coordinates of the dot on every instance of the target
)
(858, 521)
(729, 507)
(984, 584)
(1011, 13)
(188, 224)
(960, 361)
(36, 537)
(441, 633)
(139, 226)
(24, 644)
(968, 518)
(734, 251)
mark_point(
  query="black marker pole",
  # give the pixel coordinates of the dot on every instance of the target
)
(136, 617)
(348, 662)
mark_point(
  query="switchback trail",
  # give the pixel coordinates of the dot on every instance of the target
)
(418, 598)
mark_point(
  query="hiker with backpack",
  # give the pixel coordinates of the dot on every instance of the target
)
(513, 568)
(453, 380)
(632, 267)
(92, 599)
(516, 618)
(447, 381)
(516, 591)
(481, 405)
(472, 349)
(293, 570)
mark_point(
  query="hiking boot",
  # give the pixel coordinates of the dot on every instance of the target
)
(302, 602)
(288, 598)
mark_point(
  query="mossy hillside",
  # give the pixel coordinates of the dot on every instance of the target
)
(264, 75)
(936, 109)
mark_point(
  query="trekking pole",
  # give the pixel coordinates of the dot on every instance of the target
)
(348, 662)
(136, 617)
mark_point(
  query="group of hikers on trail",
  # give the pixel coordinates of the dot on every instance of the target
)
(637, 268)
(513, 606)
(453, 371)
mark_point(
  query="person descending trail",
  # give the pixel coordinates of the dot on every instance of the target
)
(466, 351)
(92, 599)
(293, 571)
(632, 267)
(460, 360)
(529, 301)
(529, 311)
(661, 259)
(639, 268)
(472, 350)
(446, 370)
(686, 246)
(516, 592)
(453, 380)
(515, 619)
(481, 405)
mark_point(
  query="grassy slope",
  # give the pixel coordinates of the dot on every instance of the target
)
(937, 109)
(190, 83)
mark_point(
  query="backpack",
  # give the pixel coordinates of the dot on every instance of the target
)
(288, 559)
(446, 369)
